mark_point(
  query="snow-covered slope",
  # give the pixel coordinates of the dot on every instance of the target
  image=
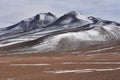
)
(77, 39)
(45, 32)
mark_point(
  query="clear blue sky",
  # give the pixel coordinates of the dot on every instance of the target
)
(13, 11)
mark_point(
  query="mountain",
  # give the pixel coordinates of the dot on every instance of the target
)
(38, 21)
(72, 17)
(71, 20)
(46, 32)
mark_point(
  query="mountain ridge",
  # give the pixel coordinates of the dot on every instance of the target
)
(70, 31)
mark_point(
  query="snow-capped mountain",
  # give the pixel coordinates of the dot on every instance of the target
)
(72, 17)
(71, 20)
(46, 32)
(38, 21)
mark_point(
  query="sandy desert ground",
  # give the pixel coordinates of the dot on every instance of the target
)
(90, 63)
(60, 67)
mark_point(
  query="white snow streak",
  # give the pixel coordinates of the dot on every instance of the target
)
(29, 64)
(82, 70)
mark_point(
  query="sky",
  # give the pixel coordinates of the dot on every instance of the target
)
(13, 11)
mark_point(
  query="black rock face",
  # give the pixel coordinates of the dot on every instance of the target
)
(95, 20)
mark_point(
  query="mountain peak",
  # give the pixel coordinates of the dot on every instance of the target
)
(41, 16)
(79, 16)
(73, 13)
(72, 17)
(51, 14)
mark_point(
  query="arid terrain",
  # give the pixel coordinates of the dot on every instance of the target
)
(64, 66)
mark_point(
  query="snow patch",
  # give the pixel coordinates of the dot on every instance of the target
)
(29, 64)
(79, 16)
(106, 63)
(99, 50)
(82, 70)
